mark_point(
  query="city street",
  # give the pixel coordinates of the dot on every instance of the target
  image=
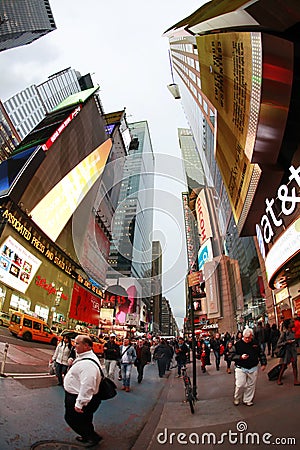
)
(33, 414)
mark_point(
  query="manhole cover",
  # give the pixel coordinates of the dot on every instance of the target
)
(58, 445)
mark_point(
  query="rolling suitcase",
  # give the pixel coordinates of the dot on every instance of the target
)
(273, 374)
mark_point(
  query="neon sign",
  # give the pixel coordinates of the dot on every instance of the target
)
(61, 128)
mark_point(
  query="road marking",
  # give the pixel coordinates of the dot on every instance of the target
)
(29, 375)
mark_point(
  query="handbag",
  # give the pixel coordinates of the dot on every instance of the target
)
(280, 352)
(107, 388)
(52, 365)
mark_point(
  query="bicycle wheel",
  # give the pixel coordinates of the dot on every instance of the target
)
(191, 402)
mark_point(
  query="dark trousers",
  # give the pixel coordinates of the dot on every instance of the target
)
(140, 370)
(81, 423)
(217, 359)
(180, 364)
(162, 364)
(60, 369)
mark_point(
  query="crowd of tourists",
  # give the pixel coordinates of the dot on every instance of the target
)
(77, 371)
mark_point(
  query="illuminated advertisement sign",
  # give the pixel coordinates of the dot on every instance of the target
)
(191, 251)
(286, 204)
(203, 218)
(205, 254)
(61, 128)
(46, 248)
(227, 78)
(84, 306)
(17, 265)
(93, 251)
(287, 246)
(55, 209)
(212, 288)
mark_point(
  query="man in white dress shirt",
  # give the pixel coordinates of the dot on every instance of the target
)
(81, 383)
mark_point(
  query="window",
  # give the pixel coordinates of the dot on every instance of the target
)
(27, 323)
(46, 329)
(37, 326)
(16, 319)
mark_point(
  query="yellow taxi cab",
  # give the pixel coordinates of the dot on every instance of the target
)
(98, 344)
(31, 328)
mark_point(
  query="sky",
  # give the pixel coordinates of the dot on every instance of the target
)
(122, 46)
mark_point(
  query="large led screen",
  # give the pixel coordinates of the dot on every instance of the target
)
(227, 77)
(55, 209)
(17, 265)
(84, 306)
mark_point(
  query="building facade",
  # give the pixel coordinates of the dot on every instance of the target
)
(22, 22)
(29, 107)
(52, 245)
(131, 250)
(9, 137)
(239, 81)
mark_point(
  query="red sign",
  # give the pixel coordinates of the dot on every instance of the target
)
(49, 287)
(61, 128)
(84, 306)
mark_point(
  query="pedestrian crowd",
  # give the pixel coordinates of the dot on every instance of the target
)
(77, 371)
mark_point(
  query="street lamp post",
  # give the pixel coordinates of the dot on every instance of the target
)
(193, 342)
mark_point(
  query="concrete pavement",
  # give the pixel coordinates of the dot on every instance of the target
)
(156, 409)
(274, 419)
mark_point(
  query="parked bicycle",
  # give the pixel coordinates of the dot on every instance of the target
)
(189, 395)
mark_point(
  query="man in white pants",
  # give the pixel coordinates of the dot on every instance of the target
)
(246, 354)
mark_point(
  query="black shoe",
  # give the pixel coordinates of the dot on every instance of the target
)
(89, 442)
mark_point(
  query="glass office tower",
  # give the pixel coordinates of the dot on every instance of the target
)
(22, 22)
(131, 249)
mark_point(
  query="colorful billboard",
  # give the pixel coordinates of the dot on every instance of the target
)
(84, 306)
(55, 209)
(17, 265)
(203, 221)
(227, 79)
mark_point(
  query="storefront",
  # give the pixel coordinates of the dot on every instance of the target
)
(278, 235)
(36, 277)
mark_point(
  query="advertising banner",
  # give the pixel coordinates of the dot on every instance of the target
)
(55, 209)
(84, 306)
(17, 265)
(228, 77)
(203, 218)
(212, 288)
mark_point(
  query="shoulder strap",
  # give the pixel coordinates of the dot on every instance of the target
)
(123, 353)
(91, 359)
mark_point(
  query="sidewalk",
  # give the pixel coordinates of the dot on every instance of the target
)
(274, 415)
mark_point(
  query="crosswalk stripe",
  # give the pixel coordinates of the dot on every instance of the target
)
(29, 375)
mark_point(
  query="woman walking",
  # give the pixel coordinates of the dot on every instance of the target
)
(63, 352)
(287, 340)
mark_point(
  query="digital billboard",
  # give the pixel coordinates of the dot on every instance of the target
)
(55, 209)
(17, 265)
(84, 306)
(226, 78)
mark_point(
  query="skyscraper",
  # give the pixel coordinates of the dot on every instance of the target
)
(131, 248)
(22, 22)
(242, 119)
(29, 107)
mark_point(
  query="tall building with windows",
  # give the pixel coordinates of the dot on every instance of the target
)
(9, 137)
(229, 59)
(131, 248)
(22, 22)
(156, 286)
(29, 107)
